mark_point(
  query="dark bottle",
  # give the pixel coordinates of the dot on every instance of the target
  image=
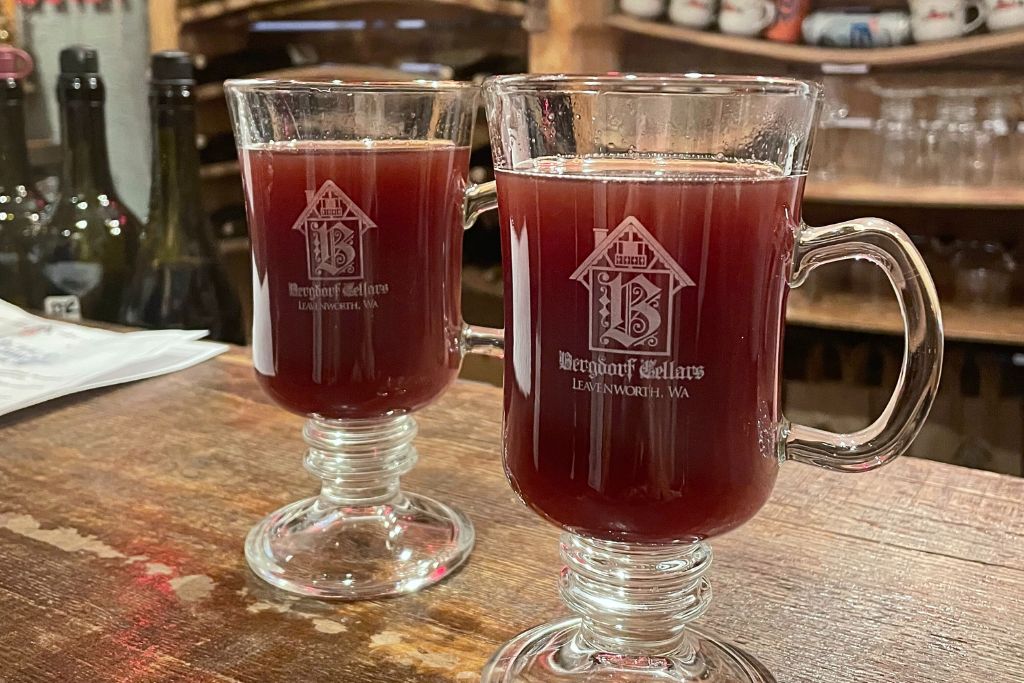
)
(93, 237)
(179, 281)
(21, 207)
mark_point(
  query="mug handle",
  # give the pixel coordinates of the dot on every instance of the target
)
(769, 13)
(487, 341)
(975, 23)
(888, 247)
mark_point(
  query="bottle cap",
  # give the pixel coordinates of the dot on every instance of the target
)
(79, 59)
(14, 63)
(172, 66)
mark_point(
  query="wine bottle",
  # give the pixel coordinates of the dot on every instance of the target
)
(179, 281)
(93, 236)
(22, 209)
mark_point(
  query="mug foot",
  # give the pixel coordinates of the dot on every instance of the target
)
(555, 653)
(325, 550)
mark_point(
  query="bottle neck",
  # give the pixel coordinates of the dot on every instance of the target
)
(86, 167)
(175, 207)
(14, 168)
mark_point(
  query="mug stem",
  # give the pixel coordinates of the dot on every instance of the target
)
(633, 599)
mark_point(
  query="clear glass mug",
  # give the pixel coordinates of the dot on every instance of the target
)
(355, 195)
(651, 232)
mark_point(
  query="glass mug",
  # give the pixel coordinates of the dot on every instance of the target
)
(651, 232)
(355, 195)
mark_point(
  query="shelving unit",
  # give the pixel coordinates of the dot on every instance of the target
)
(877, 194)
(1004, 326)
(904, 55)
(258, 9)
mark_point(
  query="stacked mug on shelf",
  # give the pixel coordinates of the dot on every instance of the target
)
(789, 21)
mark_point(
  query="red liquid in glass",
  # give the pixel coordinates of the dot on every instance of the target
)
(357, 251)
(642, 373)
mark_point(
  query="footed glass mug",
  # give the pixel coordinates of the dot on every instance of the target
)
(651, 231)
(356, 194)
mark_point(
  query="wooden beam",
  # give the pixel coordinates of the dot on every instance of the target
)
(164, 29)
(574, 38)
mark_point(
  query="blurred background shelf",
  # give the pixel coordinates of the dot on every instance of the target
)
(842, 311)
(219, 9)
(221, 169)
(904, 55)
(839, 311)
(877, 194)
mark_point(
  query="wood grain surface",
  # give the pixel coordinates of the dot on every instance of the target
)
(122, 514)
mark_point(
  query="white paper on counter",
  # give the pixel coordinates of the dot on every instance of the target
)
(42, 359)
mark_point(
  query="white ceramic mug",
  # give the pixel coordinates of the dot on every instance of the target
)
(746, 17)
(693, 13)
(856, 29)
(1003, 14)
(944, 19)
(644, 9)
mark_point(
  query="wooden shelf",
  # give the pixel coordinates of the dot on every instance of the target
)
(808, 54)
(852, 312)
(209, 92)
(219, 9)
(861, 192)
(221, 169)
(848, 312)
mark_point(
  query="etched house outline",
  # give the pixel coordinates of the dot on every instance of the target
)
(333, 227)
(630, 260)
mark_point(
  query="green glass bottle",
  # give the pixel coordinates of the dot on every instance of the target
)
(92, 236)
(22, 209)
(179, 281)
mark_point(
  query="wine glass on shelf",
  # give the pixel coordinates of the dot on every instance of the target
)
(999, 119)
(356, 197)
(983, 274)
(900, 137)
(646, 263)
(961, 146)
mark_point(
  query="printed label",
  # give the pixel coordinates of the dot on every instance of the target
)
(74, 277)
(334, 227)
(64, 307)
(632, 282)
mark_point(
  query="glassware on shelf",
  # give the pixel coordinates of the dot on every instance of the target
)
(1000, 121)
(900, 137)
(983, 274)
(937, 253)
(647, 258)
(960, 147)
(838, 135)
(867, 282)
(356, 197)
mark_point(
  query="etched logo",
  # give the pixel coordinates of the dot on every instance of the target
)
(333, 226)
(632, 281)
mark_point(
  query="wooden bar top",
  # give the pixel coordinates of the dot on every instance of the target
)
(123, 511)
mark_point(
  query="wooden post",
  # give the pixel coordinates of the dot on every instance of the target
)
(573, 38)
(164, 29)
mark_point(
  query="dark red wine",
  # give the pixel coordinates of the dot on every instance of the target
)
(644, 302)
(357, 251)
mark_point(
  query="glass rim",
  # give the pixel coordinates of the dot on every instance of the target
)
(657, 83)
(288, 85)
